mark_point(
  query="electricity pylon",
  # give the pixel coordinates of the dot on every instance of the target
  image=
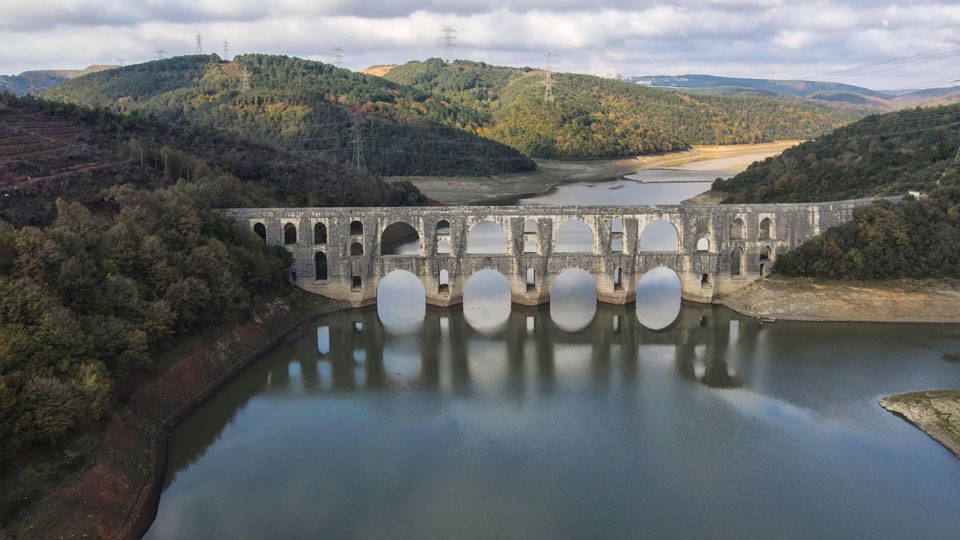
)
(548, 81)
(448, 39)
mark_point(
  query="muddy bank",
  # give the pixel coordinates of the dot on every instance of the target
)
(936, 413)
(115, 495)
(550, 173)
(893, 301)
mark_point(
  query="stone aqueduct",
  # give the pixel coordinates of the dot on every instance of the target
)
(338, 251)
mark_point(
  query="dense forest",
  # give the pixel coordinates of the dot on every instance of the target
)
(132, 258)
(308, 107)
(887, 154)
(596, 117)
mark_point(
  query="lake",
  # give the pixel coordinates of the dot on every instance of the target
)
(569, 420)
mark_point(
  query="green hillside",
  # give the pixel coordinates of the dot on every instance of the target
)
(303, 106)
(885, 154)
(596, 117)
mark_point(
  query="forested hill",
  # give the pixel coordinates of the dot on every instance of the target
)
(885, 154)
(303, 106)
(51, 149)
(596, 117)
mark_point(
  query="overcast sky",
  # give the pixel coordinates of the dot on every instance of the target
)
(752, 38)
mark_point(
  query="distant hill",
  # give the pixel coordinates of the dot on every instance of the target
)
(50, 150)
(19, 85)
(886, 154)
(305, 107)
(596, 117)
(828, 94)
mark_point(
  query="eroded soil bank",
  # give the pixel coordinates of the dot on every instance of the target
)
(506, 188)
(115, 494)
(936, 413)
(893, 301)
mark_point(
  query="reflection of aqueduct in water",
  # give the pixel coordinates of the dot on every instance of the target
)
(339, 252)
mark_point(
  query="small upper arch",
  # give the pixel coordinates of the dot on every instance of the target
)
(660, 235)
(319, 233)
(289, 233)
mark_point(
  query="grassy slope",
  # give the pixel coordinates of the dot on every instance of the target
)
(302, 106)
(594, 117)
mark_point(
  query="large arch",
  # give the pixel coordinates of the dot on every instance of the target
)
(573, 236)
(399, 238)
(660, 235)
(659, 296)
(401, 302)
(260, 230)
(486, 301)
(289, 233)
(487, 237)
(573, 299)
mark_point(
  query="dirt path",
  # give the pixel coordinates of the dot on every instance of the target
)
(802, 299)
(506, 188)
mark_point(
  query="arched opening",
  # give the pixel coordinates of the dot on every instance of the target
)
(443, 247)
(766, 256)
(574, 236)
(658, 298)
(399, 239)
(443, 228)
(289, 233)
(659, 235)
(736, 229)
(531, 243)
(616, 236)
(487, 237)
(486, 301)
(356, 283)
(703, 245)
(573, 300)
(443, 282)
(736, 262)
(319, 266)
(260, 230)
(705, 281)
(356, 228)
(765, 229)
(319, 233)
(617, 279)
(356, 248)
(531, 280)
(401, 302)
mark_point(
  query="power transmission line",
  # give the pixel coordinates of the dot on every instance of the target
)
(337, 55)
(160, 53)
(357, 143)
(548, 81)
(199, 44)
(119, 61)
(244, 80)
(448, 39)
(226, 49)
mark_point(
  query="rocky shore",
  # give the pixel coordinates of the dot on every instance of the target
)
(936, 413)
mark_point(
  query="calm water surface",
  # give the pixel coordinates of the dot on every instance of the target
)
(569, 420)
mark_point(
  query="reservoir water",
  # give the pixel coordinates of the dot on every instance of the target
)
(569, 420)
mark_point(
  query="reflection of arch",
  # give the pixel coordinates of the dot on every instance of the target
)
(289, 233)
(736, 229)
(260, 231)
(659, 294)
(320, 266)
(395, 236)
(573, 236)
(703, 244)
(356, 228)
(356, 248)
(659, 235)
(765, 229)
(487, 237)
(736, 262)
(319, 233)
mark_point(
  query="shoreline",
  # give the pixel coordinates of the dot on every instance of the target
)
(506, 189)
(936, 413)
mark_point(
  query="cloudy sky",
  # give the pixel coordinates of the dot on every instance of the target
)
(753, 38)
